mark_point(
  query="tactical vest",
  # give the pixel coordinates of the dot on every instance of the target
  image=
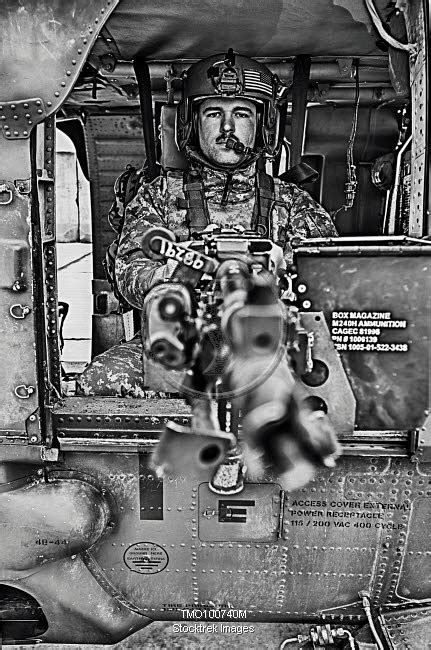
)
(195, 204)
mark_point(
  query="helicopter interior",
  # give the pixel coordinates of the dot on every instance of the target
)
(355, 102)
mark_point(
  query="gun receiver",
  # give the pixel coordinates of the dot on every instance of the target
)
(220, 318)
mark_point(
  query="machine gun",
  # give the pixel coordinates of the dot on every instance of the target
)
(226, 318)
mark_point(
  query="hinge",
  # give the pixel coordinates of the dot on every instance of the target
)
(423, 452)
(281, 515)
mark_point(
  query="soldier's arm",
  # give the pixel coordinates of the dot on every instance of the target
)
(303, 216)
(135, 273)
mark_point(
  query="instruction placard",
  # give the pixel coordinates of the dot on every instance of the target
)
(361, 331)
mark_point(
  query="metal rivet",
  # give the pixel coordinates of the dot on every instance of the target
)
(40, 111)
(63, 83)
(49, 103)
(73, 62)
(30, 122)
(12, 106)
(15, 117)
(57, 94)
(27, 115)
(25, 132)
(79, 51)
(16, 132)
(306, 304)
(25, 105)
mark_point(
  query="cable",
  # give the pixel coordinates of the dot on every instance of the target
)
(411, 48)
(351, 184)
(342, 632)
(367, 609)
(295, 639)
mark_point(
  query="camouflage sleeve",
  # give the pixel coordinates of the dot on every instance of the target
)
(135, 273)
(302, 215)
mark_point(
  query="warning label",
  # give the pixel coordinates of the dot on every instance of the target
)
(146, 557)
(344, 513)
(360, 331)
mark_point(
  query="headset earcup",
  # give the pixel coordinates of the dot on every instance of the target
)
(271, 131)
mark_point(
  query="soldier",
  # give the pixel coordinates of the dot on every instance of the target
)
(227, 120)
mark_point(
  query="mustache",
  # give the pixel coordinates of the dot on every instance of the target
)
(224, 137)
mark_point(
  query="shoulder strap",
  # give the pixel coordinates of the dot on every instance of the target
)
(265, 197)
(195, 203)
(125, 189)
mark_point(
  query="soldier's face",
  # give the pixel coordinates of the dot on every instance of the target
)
(220, 118)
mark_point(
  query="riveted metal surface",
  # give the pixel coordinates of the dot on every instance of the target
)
(113, 141)
(158, 566)
(408, 629)
(394, 493)
(415, 578)
(17, 336)
(419, 144)
(333, 544)
(118, 474)
(419, 65)
(117, 418)
(419, 110)
(252, 515)
(248, 575)
(391, 388)
(46, 194)
(44, 49)
(18, 117)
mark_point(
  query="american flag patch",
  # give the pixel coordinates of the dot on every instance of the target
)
(254, 80)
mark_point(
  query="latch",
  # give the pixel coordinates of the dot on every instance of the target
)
(423, 452)
(234, 510)
(19, 311)
(49, 454)
(23, 185)
(23, 392)
(44, 176)
(279, 502)
(6, 193)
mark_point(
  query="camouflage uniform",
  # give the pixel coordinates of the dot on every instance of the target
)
(294, 214)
